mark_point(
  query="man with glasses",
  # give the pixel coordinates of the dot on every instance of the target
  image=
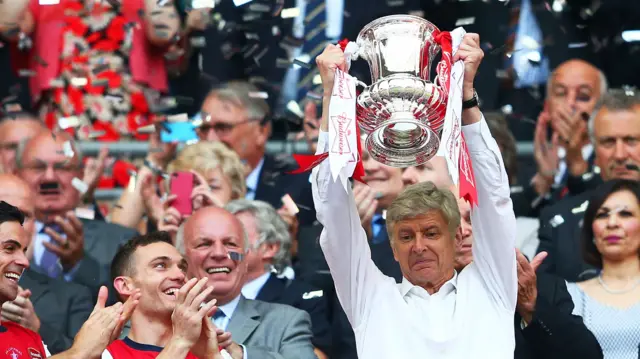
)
(65, 246)
(237, 114)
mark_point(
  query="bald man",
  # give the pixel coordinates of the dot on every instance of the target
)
(562, 150)
(52, 308)
(13, 129)
(214, 244)
(65, 246)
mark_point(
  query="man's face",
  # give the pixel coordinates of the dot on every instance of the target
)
(49, 173)
(464, 237)
(18, 194)
(11, 133)
(253, 258)
(424, 248)
(435, 170)
(617, 143)
(159, 271)
(385, 180)
(210, 235)
(575, 86)
(226, 122)
(14, 242)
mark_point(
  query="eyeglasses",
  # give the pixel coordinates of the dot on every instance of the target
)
(220, 128)
(60, 167)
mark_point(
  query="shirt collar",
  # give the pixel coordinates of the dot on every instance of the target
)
(448, 287)
(251, 289)
(230, 307)
(39, 226)
(254, 176)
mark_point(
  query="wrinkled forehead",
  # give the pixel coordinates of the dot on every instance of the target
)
(48, 149)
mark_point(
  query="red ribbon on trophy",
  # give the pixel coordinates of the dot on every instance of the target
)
(308, 162)
(455, 146)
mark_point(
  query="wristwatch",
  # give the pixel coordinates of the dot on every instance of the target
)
(471, 103)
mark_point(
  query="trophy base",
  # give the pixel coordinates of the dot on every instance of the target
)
(402, 141)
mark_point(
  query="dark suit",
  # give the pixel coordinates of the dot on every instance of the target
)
(274, 182)
(554, 333)
(101, 242)
(62, 308)
(304, 296)
(559, 234)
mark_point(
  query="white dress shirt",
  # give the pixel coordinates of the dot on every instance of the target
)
(253, 179)
(251, 289)
(471, 316)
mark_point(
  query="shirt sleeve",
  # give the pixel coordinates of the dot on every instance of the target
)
(493, 220)
(344, 241)
(106, 355)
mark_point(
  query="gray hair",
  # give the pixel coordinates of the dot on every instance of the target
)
(182, 248)
(270, 226)
(420, 198)
(614, 100)
(604, 84)
(22, 146)
(242, 94)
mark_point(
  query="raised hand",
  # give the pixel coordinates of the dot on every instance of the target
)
(545, 153)
(331, 59)
(202, 195)
(70, 247)
(191, 308)
(527, 284)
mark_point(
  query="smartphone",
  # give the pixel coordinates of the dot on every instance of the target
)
(178, 132)
(181, 187)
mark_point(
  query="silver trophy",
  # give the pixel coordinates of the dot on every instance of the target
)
(402, 112)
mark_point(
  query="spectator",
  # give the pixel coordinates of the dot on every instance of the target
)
(217, 253)
(15, 128)
(236, 115)
(55, 309)
(65, 246)
(268, 259)
(93, 62)
(615, 132)
(573, 90)
(166, 321)
(97, 332)
(220, 178)
(610, 303)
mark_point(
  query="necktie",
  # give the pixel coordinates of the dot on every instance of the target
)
(219, 318)
(49, 262)
(514, 20)
(379, 225)
(315, 40)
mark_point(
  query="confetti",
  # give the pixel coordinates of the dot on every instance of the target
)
(259, 94)
(146, 129)
(79, 81)
(466, 21)
(96, 134)
(577, 45)
(182, 117)
(198, 42)
(79, 185)
(85, 213)
(290, 13)
(294, 108)
(68, 122)
(290, 205)
(48, 2)
(26, 73)
(203, 4)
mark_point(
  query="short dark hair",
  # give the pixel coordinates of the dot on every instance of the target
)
(590, 252)
(122, 263)
(500, 131)
(9, 213)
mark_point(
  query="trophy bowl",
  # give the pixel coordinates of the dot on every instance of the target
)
(402, 111)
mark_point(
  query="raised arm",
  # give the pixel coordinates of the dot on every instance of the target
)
(493, 220)
(343, 240)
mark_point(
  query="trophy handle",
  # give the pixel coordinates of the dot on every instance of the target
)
(360, 83)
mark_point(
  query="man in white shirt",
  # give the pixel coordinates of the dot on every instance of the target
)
(435, 311)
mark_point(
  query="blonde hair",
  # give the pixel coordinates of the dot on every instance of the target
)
(203, 157)
(420, 198)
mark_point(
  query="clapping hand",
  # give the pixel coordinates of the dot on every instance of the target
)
(367, 204)
(70, 247)
(21, 311)
(527, 284)
(190, 312)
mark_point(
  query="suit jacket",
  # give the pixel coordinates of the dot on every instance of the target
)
(61, 306)
(271, 331)
(101, 242)
(274, 182)
(303, 296)
(554, 333)
(559, 234)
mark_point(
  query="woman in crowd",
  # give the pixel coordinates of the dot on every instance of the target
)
(96, 68)
(219, 175)
(610, 303)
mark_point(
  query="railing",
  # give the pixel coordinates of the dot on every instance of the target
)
(140, 149)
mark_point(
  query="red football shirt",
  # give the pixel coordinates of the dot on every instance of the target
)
(127, 348)
(17, 342)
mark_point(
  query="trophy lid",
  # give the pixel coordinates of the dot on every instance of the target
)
(395, 19)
